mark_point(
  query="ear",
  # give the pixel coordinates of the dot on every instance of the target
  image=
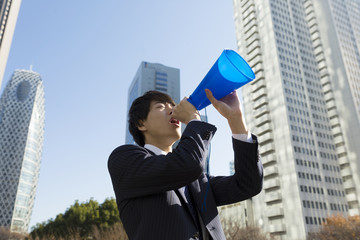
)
(142, 126)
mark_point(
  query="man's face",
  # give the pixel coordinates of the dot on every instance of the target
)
(160, 126)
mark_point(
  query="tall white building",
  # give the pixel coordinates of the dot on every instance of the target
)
(153, 76)
(304, 106)
(9, 10)
(22, 116)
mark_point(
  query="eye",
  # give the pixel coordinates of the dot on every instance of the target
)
(160, 106)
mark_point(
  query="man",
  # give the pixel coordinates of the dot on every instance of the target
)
(163, 193)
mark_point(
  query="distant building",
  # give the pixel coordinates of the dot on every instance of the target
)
(152, 76)
(204, 118)
(22, 116)
(304, 106)
(9, 10)
(232, 167)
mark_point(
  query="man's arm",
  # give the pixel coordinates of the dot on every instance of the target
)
(135, 172)
(247, 180)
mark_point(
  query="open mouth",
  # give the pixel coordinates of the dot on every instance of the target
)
(174, 121)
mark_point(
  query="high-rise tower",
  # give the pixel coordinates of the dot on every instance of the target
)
(304, 106)
(153, 76)
(9, 10)
(22, 116)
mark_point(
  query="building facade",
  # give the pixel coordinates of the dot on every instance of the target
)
(152, 76)
(9, 10)
(304, 107)
(22, 116)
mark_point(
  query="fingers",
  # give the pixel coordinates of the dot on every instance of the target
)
(211, 97)
(185, 111)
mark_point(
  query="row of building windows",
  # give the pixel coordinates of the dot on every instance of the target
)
(318, 190)
(285, 66)
(326, 145)
(309, 176)
(299, 120)
(321, 126)
(294, 93)
(314, 220)
(298, 111)
(311, 75)
(161, 89)
(332, 192)
(303, 140)
(306, 163)
(311, 83)
(288, 76)
(310, 189)
(160, 79)
(164, 74)
(338, 207)
(319, 117)
(315, 205)
(297, 102)
(315, 93)
(333, 180)
(306, 151)
(330, 168)
(323, 135)
(301, 130)
(327, 155)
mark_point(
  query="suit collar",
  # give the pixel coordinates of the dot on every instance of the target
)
(154, 149)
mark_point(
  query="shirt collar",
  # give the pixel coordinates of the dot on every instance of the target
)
(155, 149)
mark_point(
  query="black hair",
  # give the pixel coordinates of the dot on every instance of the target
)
(139, 111)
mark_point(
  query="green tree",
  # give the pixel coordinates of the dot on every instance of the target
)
(81, 221)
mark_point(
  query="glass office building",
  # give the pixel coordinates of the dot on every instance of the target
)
(22, 116)
(304, 107)
(153, 76)
(9, 10)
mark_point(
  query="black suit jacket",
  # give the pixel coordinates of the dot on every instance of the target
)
(146, 186)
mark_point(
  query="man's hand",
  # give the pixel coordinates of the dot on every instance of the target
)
(229, 107)
(185, 111)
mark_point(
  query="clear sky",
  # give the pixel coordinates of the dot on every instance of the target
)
(87, 53)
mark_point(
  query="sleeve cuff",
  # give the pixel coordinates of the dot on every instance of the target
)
(243, 137)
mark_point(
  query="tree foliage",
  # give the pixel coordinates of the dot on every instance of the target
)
(89, 220)
(5, 234)
(338, 227)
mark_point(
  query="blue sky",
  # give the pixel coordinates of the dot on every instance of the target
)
(87, 53)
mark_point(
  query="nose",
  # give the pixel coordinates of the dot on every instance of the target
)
(169, 107)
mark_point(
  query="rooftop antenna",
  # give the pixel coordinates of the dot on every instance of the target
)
(31, 66)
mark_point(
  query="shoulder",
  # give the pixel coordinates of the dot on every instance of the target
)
(127, 147)
(124, 152)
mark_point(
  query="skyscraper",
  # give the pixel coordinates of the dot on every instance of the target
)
(9, 10)
(304, 106)
(153, 76)
(22, 116)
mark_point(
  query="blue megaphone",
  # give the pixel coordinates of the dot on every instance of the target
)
(229, 72)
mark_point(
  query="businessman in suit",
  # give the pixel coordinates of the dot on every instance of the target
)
(163, 193)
